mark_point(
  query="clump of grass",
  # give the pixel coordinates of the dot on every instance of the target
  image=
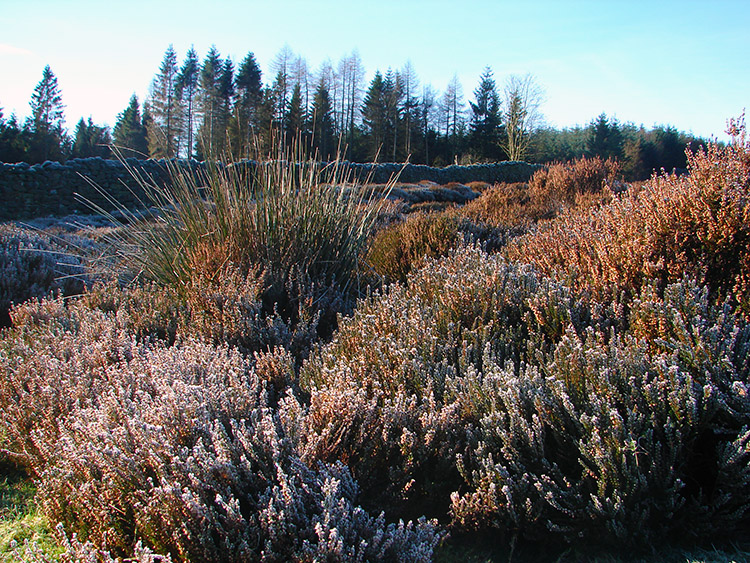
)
(20, 519)
(285, 217)
(263, 254)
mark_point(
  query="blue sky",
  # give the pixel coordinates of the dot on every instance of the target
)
(684, 63)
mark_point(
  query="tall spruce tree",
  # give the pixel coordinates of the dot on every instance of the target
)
(295, 117)
(227, 95)
(91, 140)
(322, 122)
(394, 93)
(486, 118)
(187, 92)
(605, 138)
(410, 105)
(245, 121)
(47, 123)
(209, 104)
(453, 110)
(164, 104)
(374, 116)
(129, 133)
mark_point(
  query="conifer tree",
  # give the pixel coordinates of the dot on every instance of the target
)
(374, 115)
(486, 119)
(209, 102)
(245, 121)
(282, 66)
(47, 123)
(91, 140)
(187, 91)
(164, 104)
(227, 95)
(322, 122)
(295, 117)
(393, 92)
(129, 133)
(410, 105)
(605, 138)
(453, 109)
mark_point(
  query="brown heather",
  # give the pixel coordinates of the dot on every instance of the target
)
(696, 225)
(400, 248)
(515, 208)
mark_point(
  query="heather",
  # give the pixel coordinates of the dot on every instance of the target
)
(553, 370)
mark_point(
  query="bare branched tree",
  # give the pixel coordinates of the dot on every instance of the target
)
(523, 98)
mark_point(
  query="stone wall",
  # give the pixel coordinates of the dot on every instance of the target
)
(82, 185)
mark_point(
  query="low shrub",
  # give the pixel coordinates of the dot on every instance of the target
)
(618, 442)
(549, 418)
(34, 265)
(696, 224)
(180, 448)
(403, 247)
(563, 183)
(508, 207)
(382, 394)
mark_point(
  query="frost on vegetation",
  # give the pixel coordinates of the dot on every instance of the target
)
(180, 448)
(34, 265)
(536, 413)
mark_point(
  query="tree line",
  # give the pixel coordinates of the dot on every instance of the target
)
(214, 109)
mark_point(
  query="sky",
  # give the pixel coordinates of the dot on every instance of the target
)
(684, 63)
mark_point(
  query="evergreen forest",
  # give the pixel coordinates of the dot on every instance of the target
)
(222, 109)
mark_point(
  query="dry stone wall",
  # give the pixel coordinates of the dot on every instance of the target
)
(59, 189)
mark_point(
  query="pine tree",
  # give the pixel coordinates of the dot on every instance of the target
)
(187, 91)
(486, 118)
(605, 138)
(410, 105)
(164, 103)
(453, 109)
(282, 66)
(91, 140)
(209, 103)
(374, 115)
(393, 92)
(426, 113)
(47, 122)
(295, 117)
(322, 122)
(129, 133)
(245, 121)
